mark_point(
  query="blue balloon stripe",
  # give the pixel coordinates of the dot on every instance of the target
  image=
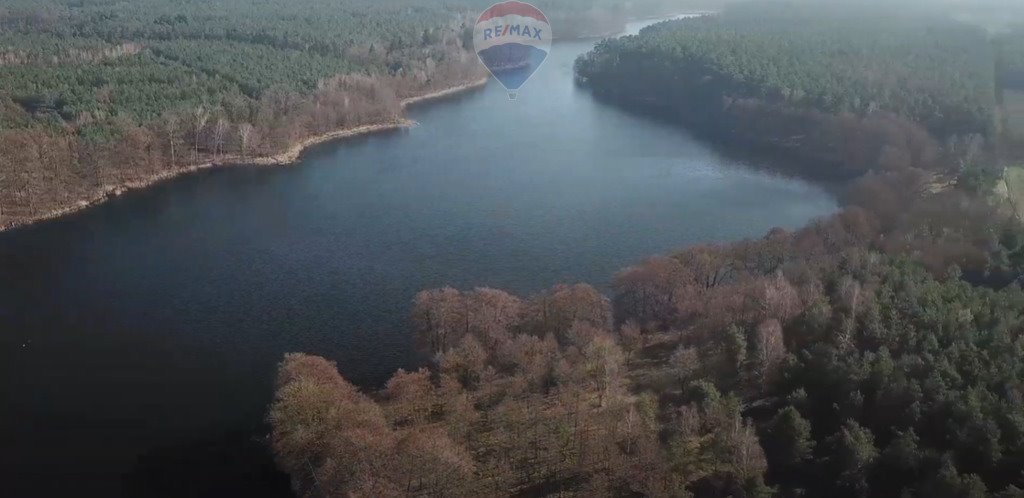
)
(512, 63)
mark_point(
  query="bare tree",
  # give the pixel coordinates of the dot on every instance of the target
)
(427, 459)
(630, 337)
(685, 363)
(555, 310)
(466, 362)
(770, 348)
(778, 299)
(748, 460)
(326, 433)
(220, 130)
(604, 365)
(411, 396)
(440, 318)
(171, 126)
(244, 135)
(201, 115)
(491, 313)
(850, 295)
(709, 266)
(649, 290)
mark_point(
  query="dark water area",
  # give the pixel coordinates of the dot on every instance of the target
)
(138, 339)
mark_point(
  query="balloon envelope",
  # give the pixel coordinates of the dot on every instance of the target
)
(512, 39)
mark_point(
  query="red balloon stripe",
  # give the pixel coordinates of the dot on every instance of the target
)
(512, 8)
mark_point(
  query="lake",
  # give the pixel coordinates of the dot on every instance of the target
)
(138, 339)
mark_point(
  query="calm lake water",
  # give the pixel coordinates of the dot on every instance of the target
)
(138, 340)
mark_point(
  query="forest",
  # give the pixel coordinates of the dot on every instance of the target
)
(876, 352)
(858, 356)
(97, 94)
(842, 86)
(873, 353)
(821, 362)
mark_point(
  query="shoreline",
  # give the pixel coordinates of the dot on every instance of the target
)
(294, 152)
(623, 31)
(284, 158)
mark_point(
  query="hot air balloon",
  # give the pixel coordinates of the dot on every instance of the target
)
(512, 39)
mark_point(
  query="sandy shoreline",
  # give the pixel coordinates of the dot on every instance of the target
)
(289, 156)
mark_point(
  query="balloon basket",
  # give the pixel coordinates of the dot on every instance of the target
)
(513, 95)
